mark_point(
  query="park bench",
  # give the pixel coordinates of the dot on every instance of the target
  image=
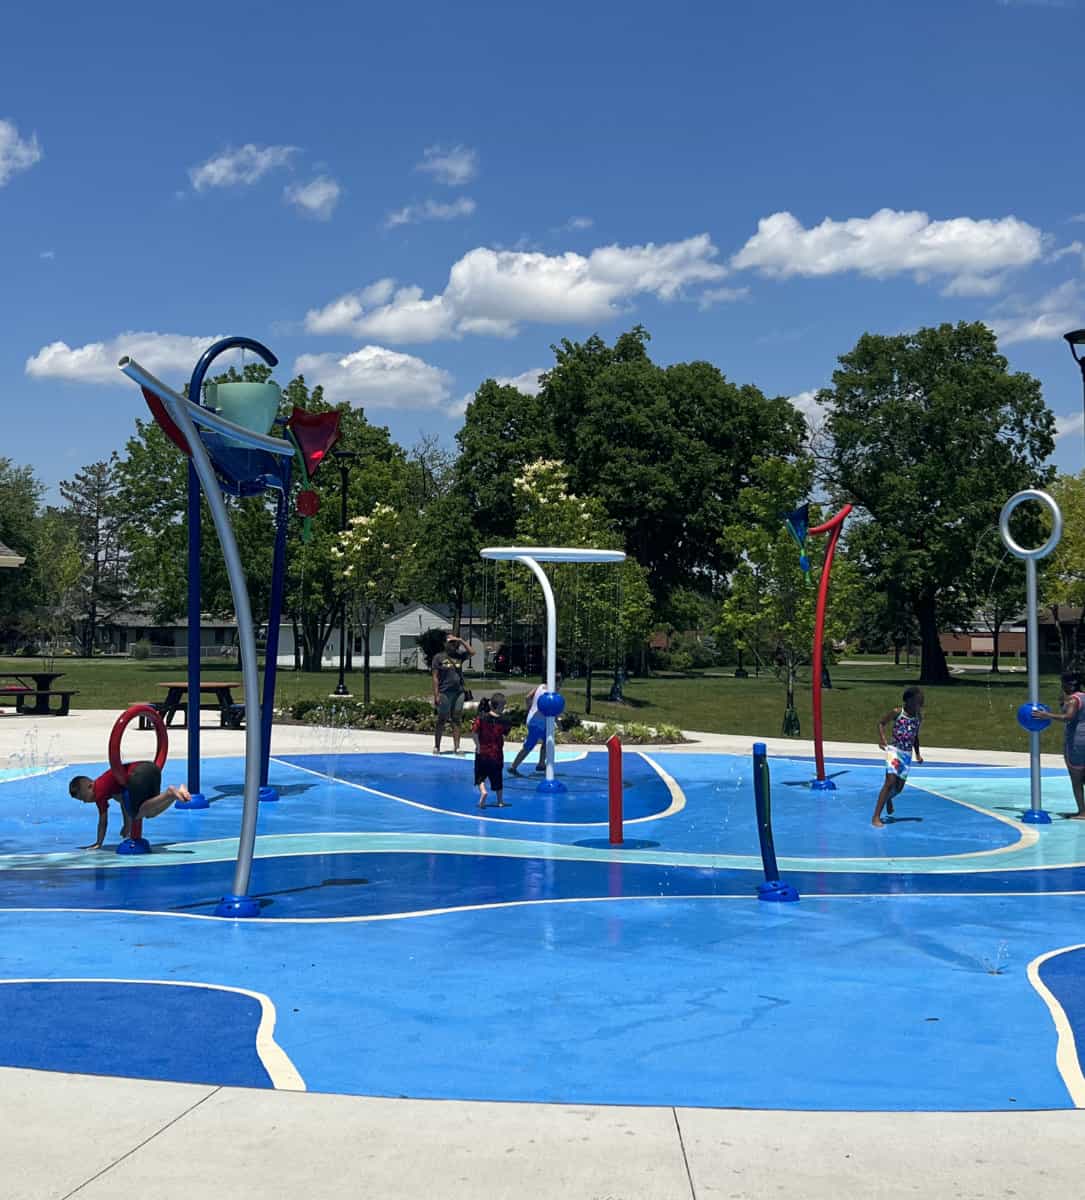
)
(42, 707)
(15, 691)
(232, 717)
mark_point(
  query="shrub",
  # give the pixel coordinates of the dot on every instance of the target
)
(141, 649)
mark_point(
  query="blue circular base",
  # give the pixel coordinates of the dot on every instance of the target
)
(134, 846)
(1036, 816)
(777, 890)
(823, 785)
(268, 795)
(551, 786)
(237, 906)
(199, 800)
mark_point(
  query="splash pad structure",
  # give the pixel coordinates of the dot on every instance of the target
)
(551, 704)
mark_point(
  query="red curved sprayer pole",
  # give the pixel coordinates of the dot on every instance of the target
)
(833, 527)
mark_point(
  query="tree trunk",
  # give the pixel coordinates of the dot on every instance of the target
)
(994, 647)
(297, 641)
(1061, 635)
(933, 668)
(896, 654)
(367, 625)
(587, 690)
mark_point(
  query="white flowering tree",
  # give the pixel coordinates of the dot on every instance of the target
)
(372, 553)
(604, 611)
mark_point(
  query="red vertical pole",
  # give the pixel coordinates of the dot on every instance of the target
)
(136, 830)
(614, 749)
(833, 527)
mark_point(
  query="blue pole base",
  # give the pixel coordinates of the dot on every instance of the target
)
(1036, 816)
(823, 785)
(237, 906)
(199, 800)
(551, 787)
(776, 890)
(134, 846)
(268, 795)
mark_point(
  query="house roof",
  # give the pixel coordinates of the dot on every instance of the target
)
(8, 557)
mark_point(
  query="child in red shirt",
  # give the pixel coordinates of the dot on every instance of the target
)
(488, 731)
(141, 797)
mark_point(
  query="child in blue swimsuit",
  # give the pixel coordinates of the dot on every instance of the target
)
(901, 748)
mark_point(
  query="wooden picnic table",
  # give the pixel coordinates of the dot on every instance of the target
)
(37, 685)
(223, 693)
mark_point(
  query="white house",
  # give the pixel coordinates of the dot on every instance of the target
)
(394, 643)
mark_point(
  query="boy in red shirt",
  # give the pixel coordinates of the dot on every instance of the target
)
(141, 797)
(489, 731)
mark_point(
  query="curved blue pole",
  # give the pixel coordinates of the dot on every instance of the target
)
(195, 539)
(275, 613)
(773, 888)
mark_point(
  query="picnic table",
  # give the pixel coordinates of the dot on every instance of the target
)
(36, 686)
(230, 711)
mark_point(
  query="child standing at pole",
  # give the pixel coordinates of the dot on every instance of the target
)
(1073, 750)
(901, 748)
(489, 731)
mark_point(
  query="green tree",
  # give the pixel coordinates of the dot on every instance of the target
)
(20, 500)
(667, 450)
(931, 433)
(1062, 573)
(371, 553)
(56, 567)
(90, 499)
(770, 609)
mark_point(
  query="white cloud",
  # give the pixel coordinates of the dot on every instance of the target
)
(1035, 3)
(577, 224)
(722, 295)
(453, 165)
(806, 403)
(1048, 317)
(493, 291)
(529, 382)
(16, 153)
(974, 285)
(1074, 249)
(242, 166)
(431, 210)
(377, 378)
(317, 198)
(1064, 425)
(891, 242)
(96, 362)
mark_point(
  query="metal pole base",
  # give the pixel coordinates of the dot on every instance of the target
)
(1036, 816)
(551, 786)
(268, 795)
(823, 785)
(776, 890)
(237, 906)
(134, 846)
(199, 800)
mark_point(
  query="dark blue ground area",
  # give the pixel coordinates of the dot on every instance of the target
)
(1064, 975)
(189, 1034)
(447, 783)
(342, 885)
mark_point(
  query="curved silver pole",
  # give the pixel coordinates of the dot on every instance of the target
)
(179, 411)
(551, 651)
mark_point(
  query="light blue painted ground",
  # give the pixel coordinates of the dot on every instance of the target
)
(552, 970)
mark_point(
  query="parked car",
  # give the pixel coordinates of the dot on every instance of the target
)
(519, 658)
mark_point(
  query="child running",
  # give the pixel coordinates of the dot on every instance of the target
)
(489, 731)
(901, 749)
(1073, 748)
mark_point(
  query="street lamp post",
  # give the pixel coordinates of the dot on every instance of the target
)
(1075, 339)
(344, 458)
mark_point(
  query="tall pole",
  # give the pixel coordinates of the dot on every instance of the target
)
(274, 620)
(833, 527)
(194, 635)
(345, 458)
(550, 784)
(1075, 339)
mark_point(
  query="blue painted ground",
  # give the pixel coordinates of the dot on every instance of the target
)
(535, 967)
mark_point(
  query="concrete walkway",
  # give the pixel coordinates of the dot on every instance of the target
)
(123, 1139)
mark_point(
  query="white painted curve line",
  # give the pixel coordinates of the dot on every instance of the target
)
(284, 1076)
(1066, 1055)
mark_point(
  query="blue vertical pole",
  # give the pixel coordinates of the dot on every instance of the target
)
(773, 888)
(275, 616)
(199, 800)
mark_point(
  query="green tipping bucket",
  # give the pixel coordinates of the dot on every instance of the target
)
(251, 405)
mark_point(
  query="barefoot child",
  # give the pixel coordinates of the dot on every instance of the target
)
(901, 749)
(141, 798)
(489, 731)
(1073, 717)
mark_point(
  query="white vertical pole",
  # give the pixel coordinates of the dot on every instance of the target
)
(551, 652)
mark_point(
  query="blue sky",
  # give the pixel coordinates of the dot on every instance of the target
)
(404, 202)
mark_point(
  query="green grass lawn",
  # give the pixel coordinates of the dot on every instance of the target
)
(977, 711)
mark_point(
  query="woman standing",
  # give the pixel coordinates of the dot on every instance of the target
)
(449, 690)
(1073, 748)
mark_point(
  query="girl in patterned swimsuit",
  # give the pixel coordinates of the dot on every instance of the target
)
(901, 749)
(1073, 715)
